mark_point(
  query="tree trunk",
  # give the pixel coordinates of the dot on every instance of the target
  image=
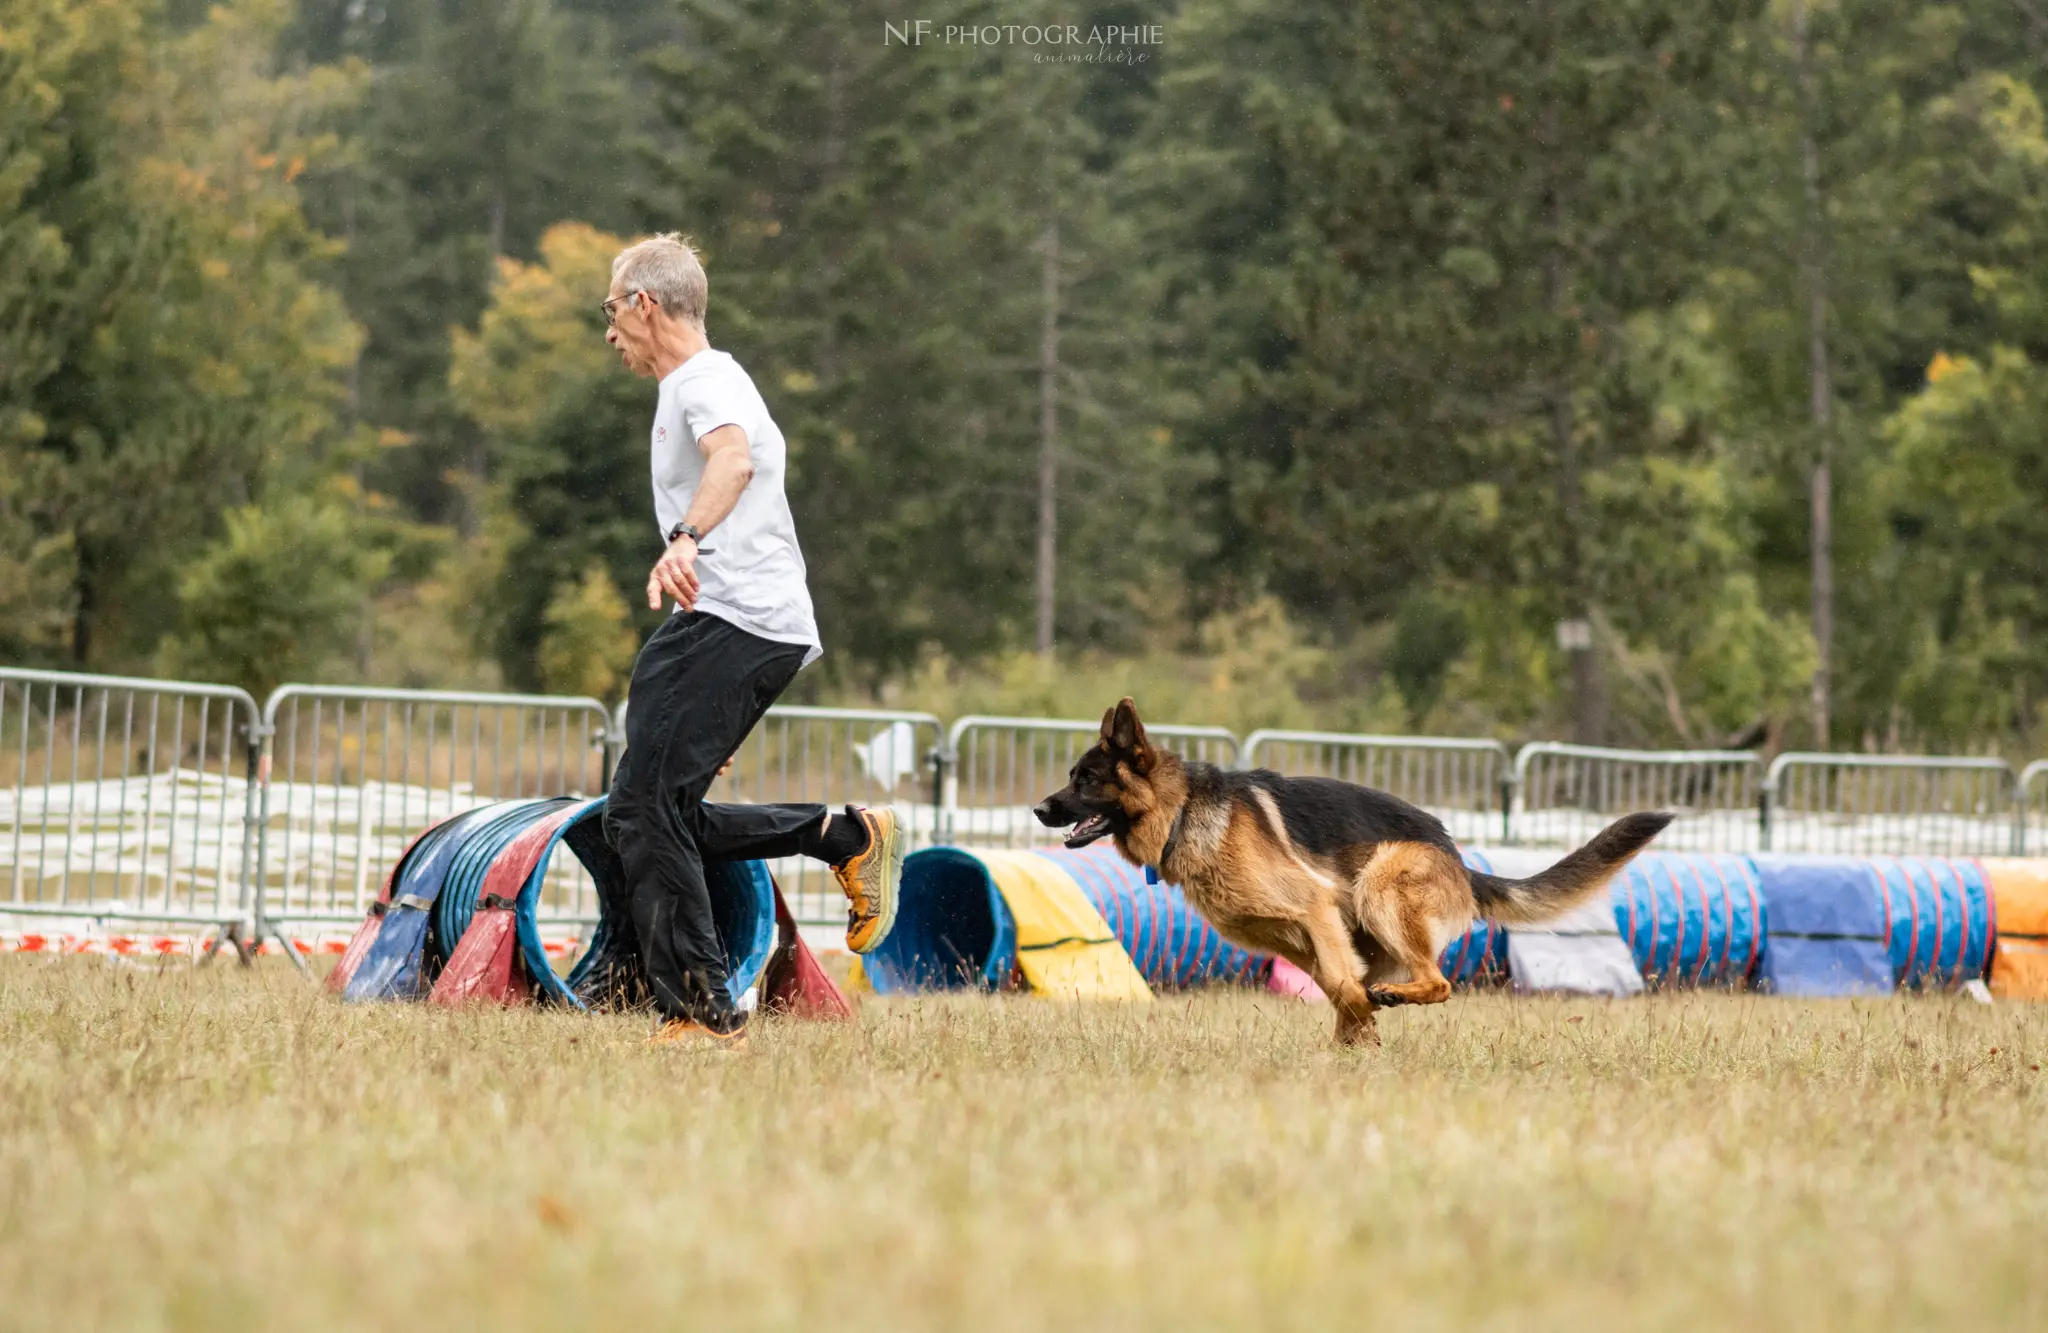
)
(1048, 435)
(87, 587)
(1588, 706)
(355, 365)
(1820, 389)
(832, 152)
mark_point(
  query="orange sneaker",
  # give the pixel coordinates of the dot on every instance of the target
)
(869, 881)
(683, 1030)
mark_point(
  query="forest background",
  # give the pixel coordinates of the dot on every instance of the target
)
(1630, 371)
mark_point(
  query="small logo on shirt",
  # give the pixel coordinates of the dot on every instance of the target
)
(661, 434)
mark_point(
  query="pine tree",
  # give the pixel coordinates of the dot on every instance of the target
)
(487, 122)
(1417, 238)
(876, 218)
(182, 358)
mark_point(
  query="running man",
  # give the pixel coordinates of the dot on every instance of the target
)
(741, 629)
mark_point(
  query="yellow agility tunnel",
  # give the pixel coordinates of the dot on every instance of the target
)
(1088, 925)
(1080, 924)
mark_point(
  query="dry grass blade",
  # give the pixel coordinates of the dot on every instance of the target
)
(216, 1149)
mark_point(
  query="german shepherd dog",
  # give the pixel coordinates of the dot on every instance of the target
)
(1356, 887)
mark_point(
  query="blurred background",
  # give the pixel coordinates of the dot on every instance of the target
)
(1627, 371)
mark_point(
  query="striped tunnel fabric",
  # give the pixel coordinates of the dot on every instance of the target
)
(439, 895)
(1691, 920)
(1171, 944)
(1174, 946)
(1939, 920)
(1479, 957)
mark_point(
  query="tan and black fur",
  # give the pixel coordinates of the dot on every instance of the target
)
(1357, 887)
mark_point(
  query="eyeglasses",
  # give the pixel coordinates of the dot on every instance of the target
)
(611, 316)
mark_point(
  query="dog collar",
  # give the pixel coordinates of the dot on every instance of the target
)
(1172, 837)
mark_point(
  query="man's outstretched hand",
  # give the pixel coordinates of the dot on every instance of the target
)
(675, 574)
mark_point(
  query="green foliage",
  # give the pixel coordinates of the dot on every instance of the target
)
(181, 359)
(1248, 668)
(873, 216)
(1388, 335)
(279, 596)
(589, 645)
(491, 122)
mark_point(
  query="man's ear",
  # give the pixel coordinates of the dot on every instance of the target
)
(1122, 728)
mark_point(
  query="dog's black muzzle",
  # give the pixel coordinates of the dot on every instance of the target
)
(1055, 812)
(1059, 811)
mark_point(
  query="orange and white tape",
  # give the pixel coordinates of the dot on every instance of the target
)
(66, 942)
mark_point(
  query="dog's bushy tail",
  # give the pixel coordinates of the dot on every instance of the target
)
(1579, 876)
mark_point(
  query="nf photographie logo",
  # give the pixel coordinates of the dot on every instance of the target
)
(1107, 43)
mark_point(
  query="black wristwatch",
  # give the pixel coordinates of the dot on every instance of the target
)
(686, 530)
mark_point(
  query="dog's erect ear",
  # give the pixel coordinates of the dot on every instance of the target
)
(1109, 725)
(1123, 730)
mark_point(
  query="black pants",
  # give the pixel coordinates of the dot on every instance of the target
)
(699, 686)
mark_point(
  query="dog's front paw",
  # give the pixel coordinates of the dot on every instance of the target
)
(1384, 998)
(1357, 1031)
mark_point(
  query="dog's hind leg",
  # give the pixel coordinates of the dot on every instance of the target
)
(1335, 967)
(1404, 891)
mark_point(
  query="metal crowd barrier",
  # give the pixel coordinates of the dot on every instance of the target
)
(835, 757)
(1917, 805)
(173, 802)
(2030, 811)
(1564, 794)
(350, 775)
(1465, 783)
(994, 769)
(127, 799)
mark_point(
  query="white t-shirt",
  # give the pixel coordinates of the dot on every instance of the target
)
(752, 575)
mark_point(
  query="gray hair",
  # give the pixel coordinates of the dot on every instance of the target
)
(665, 267)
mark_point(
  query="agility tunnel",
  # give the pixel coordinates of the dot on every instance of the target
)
(457, 921)
(2019, 903)
(1801, 925)
(1790, 925)
(1083, 924)
(1690, 919)
(1869, 925)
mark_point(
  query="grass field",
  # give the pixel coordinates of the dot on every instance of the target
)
(230, 1149)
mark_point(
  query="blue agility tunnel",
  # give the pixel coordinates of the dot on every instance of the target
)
(1829, 927)
(1173, 945)
(954, 931)
(742, 910)
(1480, 955)
(456, 904)
(1938, 917)
(401, 962)
(438, 892)
(1691, 919)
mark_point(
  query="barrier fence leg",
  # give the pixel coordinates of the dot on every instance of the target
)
(940, 832)
(237, 934)
(256, 852)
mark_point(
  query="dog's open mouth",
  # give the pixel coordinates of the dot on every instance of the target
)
(1088, 830)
